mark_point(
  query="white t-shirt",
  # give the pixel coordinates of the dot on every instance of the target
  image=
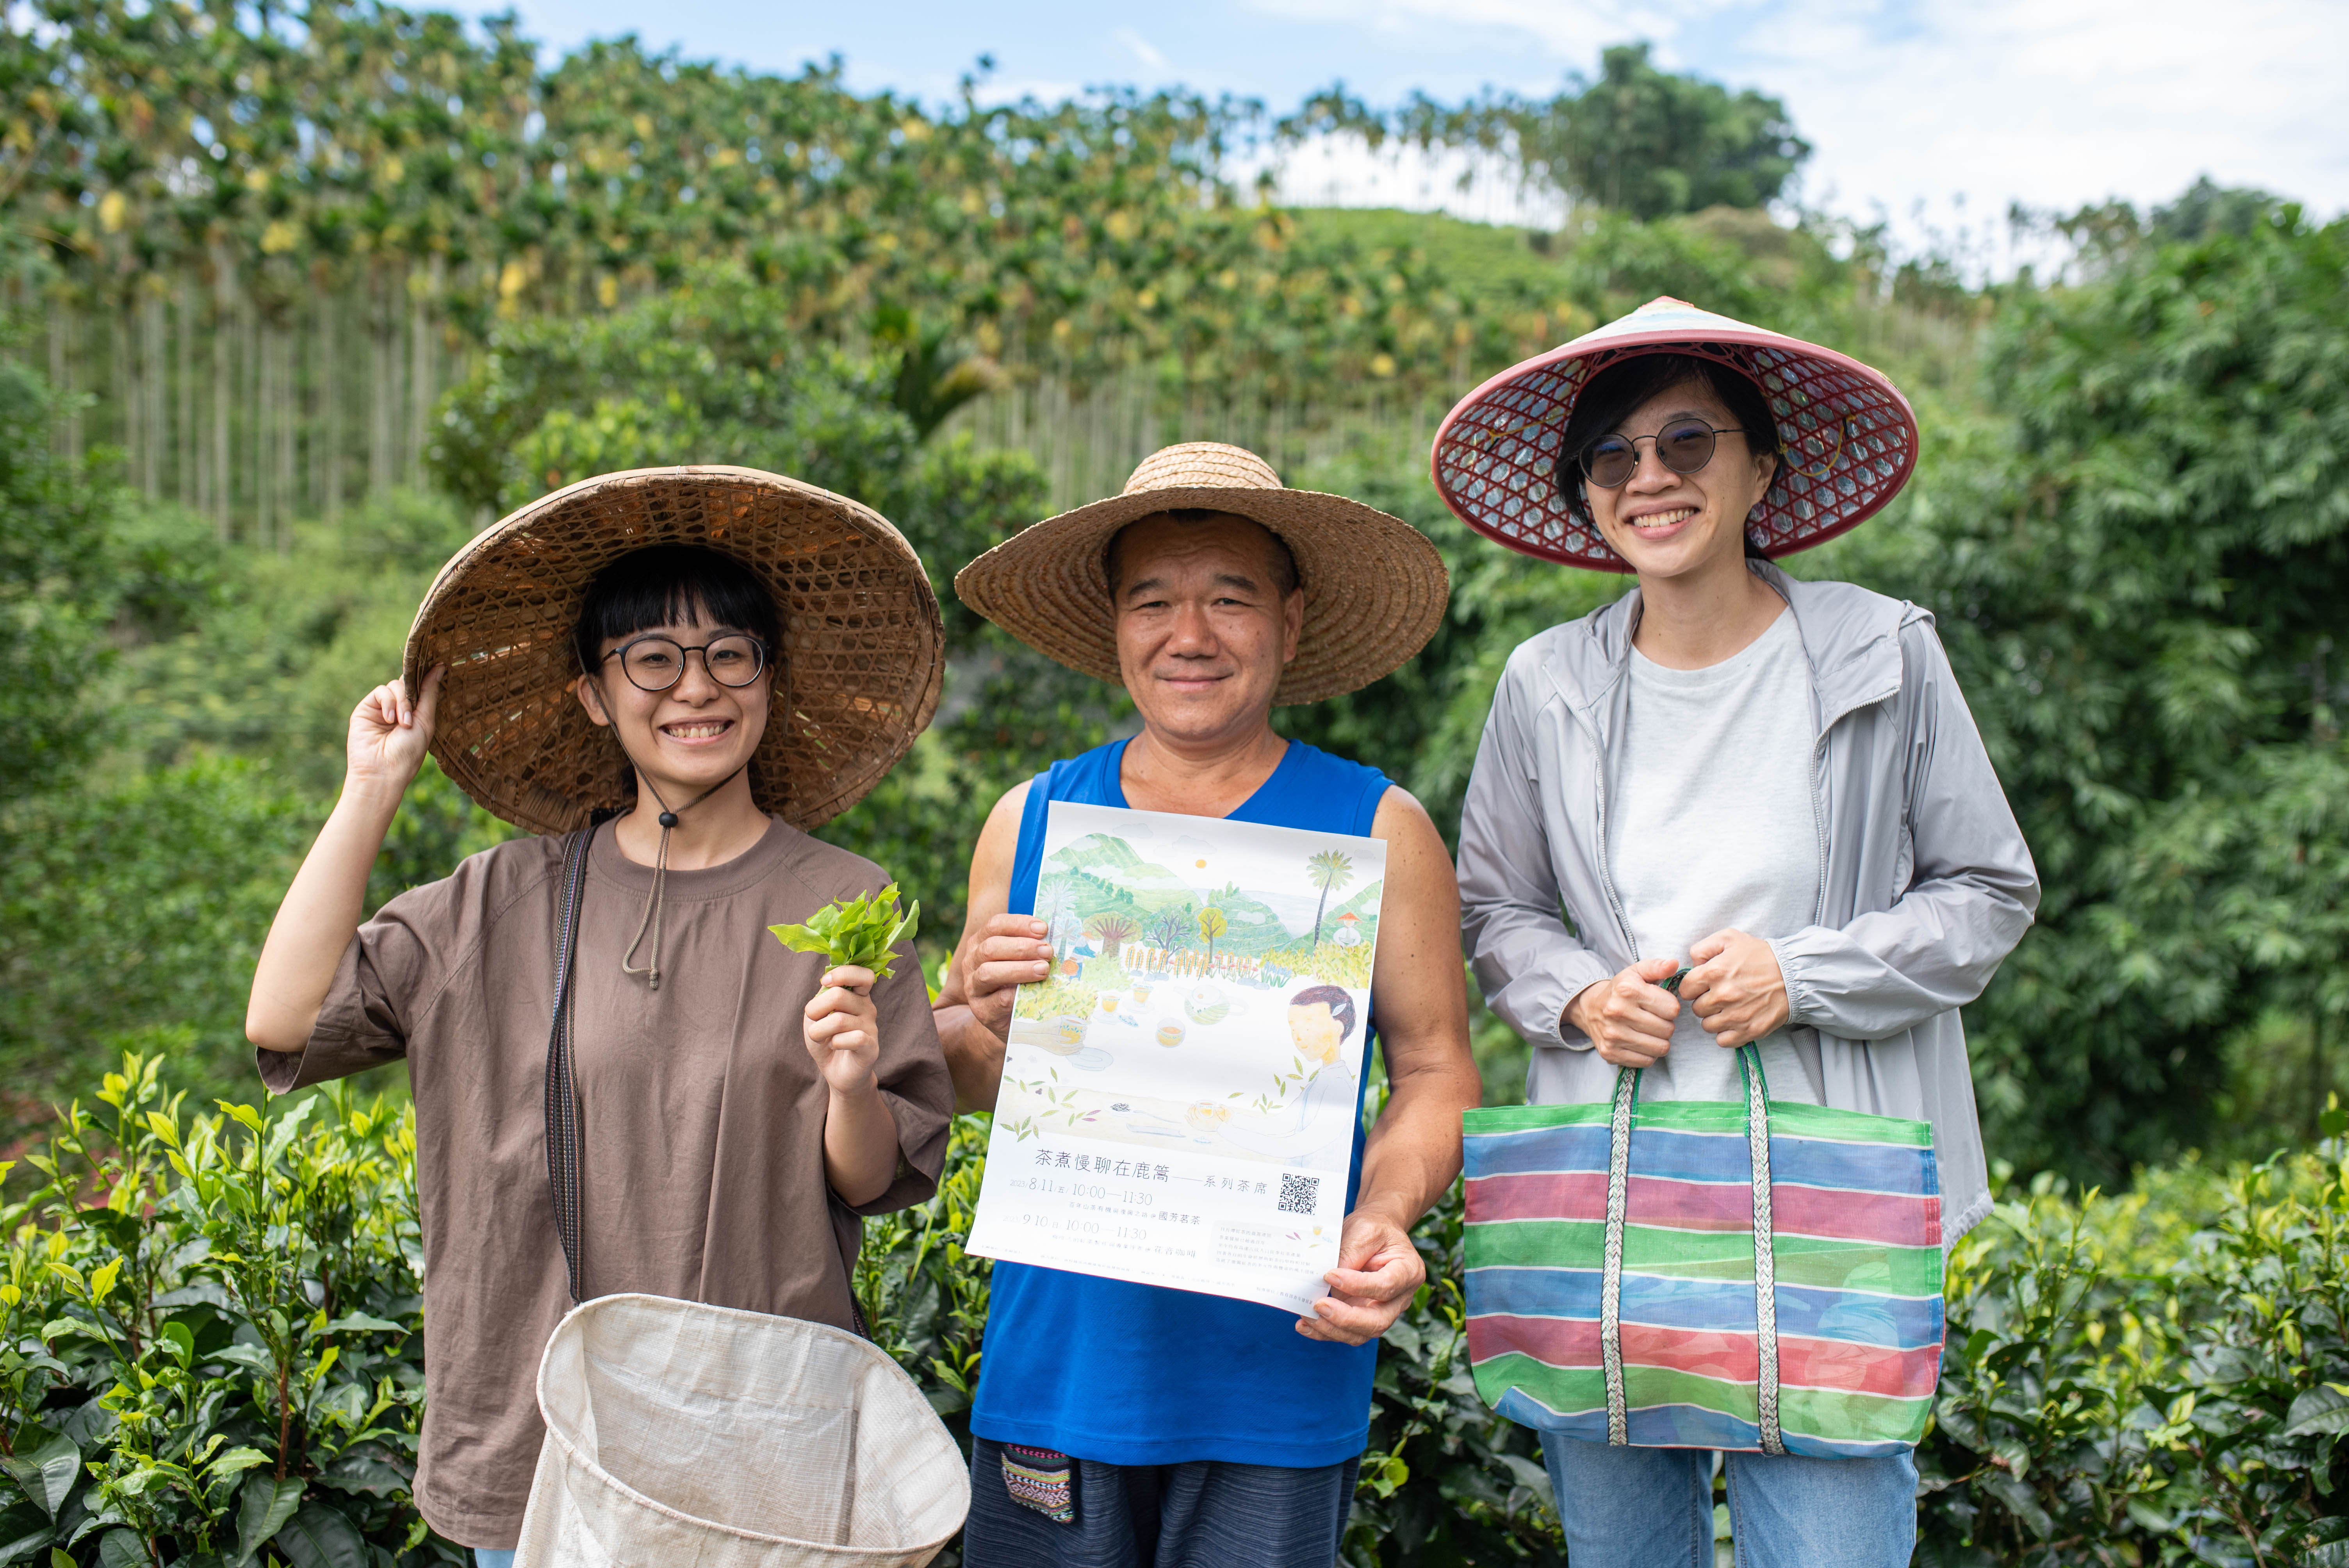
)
(1712, 825)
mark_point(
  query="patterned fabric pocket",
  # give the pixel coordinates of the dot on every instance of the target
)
(1043, 1481)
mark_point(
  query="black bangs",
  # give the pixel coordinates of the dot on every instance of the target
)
(668, 583)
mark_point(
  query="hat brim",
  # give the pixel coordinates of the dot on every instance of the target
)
(857, 679)
(1375, 588)
(1849, 439)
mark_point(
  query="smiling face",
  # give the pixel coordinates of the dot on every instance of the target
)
(1203, 630)
(692, 737)
(1668, 524)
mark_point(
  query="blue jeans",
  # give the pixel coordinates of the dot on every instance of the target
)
(485, 1559)
(1652, 1508)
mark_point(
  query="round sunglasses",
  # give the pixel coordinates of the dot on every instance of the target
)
(1684, 445)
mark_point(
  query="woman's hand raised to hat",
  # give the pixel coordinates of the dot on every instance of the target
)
(390, 733)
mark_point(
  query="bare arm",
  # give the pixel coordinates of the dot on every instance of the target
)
(1413, 1152)
(998, 952)
(320, 913)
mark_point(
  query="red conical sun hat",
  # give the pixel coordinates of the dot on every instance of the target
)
(1849, 435)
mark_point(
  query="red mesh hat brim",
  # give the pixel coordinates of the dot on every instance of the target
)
(1849, 437)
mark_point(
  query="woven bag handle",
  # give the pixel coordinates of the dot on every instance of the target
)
(1765, 1279)
(562, 1096)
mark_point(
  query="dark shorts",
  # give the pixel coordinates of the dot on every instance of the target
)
(1202, 1514)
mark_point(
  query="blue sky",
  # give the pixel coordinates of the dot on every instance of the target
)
(1914, 107)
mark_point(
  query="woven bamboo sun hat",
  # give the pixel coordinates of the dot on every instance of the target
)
(1850, 438)
(1375, 588)
(857, 676)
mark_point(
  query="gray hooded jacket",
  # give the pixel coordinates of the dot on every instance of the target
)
(1925, 882)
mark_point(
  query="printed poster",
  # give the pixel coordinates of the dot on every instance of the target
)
(1180, 1096)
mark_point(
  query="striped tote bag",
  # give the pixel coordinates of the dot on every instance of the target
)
(1763, 1277)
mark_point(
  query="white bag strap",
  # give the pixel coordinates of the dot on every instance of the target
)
(1765, 1279)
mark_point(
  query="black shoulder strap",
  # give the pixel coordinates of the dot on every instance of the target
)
(562, 1099)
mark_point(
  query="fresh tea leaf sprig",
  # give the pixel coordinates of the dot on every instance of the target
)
(859, 931)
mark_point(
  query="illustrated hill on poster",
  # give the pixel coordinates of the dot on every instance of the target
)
(1180, 945)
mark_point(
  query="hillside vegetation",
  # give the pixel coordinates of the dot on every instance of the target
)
(2130, 519)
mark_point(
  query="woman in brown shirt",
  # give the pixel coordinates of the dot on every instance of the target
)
(738, 1104)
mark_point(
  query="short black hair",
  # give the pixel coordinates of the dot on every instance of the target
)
(1337, 999)
(665, 583)
(1615, 393)
(1286, 579)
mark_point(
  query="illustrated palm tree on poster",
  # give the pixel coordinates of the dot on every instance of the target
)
(1328, 871)
(1111, 933)
(1212, 924)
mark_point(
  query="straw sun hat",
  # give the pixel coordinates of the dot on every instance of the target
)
(857, 676)
(1850, 438)
(1374, 587)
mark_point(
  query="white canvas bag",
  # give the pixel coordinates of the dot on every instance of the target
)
(685, 1436)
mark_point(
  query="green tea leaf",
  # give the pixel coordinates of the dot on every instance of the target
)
(47, 1473)
(321, 1537)
(861, 931)
(120, 1549)
(262, 1510)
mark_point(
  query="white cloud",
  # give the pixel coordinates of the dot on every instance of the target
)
(1570, 29)
(1140, 48)
(2059, 103)
(1911, 103)
(1343, 171)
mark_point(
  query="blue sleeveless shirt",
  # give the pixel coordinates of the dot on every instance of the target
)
(1140, 1375)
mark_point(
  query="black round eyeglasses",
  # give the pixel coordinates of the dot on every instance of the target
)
(655, 663)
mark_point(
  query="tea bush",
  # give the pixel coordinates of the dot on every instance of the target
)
(209, 1352)
(210, 1355)
(2157, 1377)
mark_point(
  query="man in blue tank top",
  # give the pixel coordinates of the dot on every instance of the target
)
(1129, 1426)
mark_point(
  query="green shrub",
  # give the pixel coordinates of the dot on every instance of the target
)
(209, 1336)
(2158, 1377)
(210, 1355)
(137, 908)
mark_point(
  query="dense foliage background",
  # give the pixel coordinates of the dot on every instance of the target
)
(300, 300)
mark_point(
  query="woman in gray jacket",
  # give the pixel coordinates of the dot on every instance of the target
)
(1771, 784)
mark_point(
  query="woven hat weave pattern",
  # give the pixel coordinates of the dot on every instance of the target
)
(1849, 435)
(857, 677)
(1375, 589)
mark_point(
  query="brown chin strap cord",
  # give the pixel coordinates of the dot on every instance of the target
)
(652, 916)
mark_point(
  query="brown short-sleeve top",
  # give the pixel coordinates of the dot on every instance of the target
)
(701, 1117)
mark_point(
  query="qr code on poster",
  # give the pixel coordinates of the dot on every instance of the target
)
(1300, 1194)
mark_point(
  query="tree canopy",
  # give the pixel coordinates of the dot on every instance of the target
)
(1652, 143)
